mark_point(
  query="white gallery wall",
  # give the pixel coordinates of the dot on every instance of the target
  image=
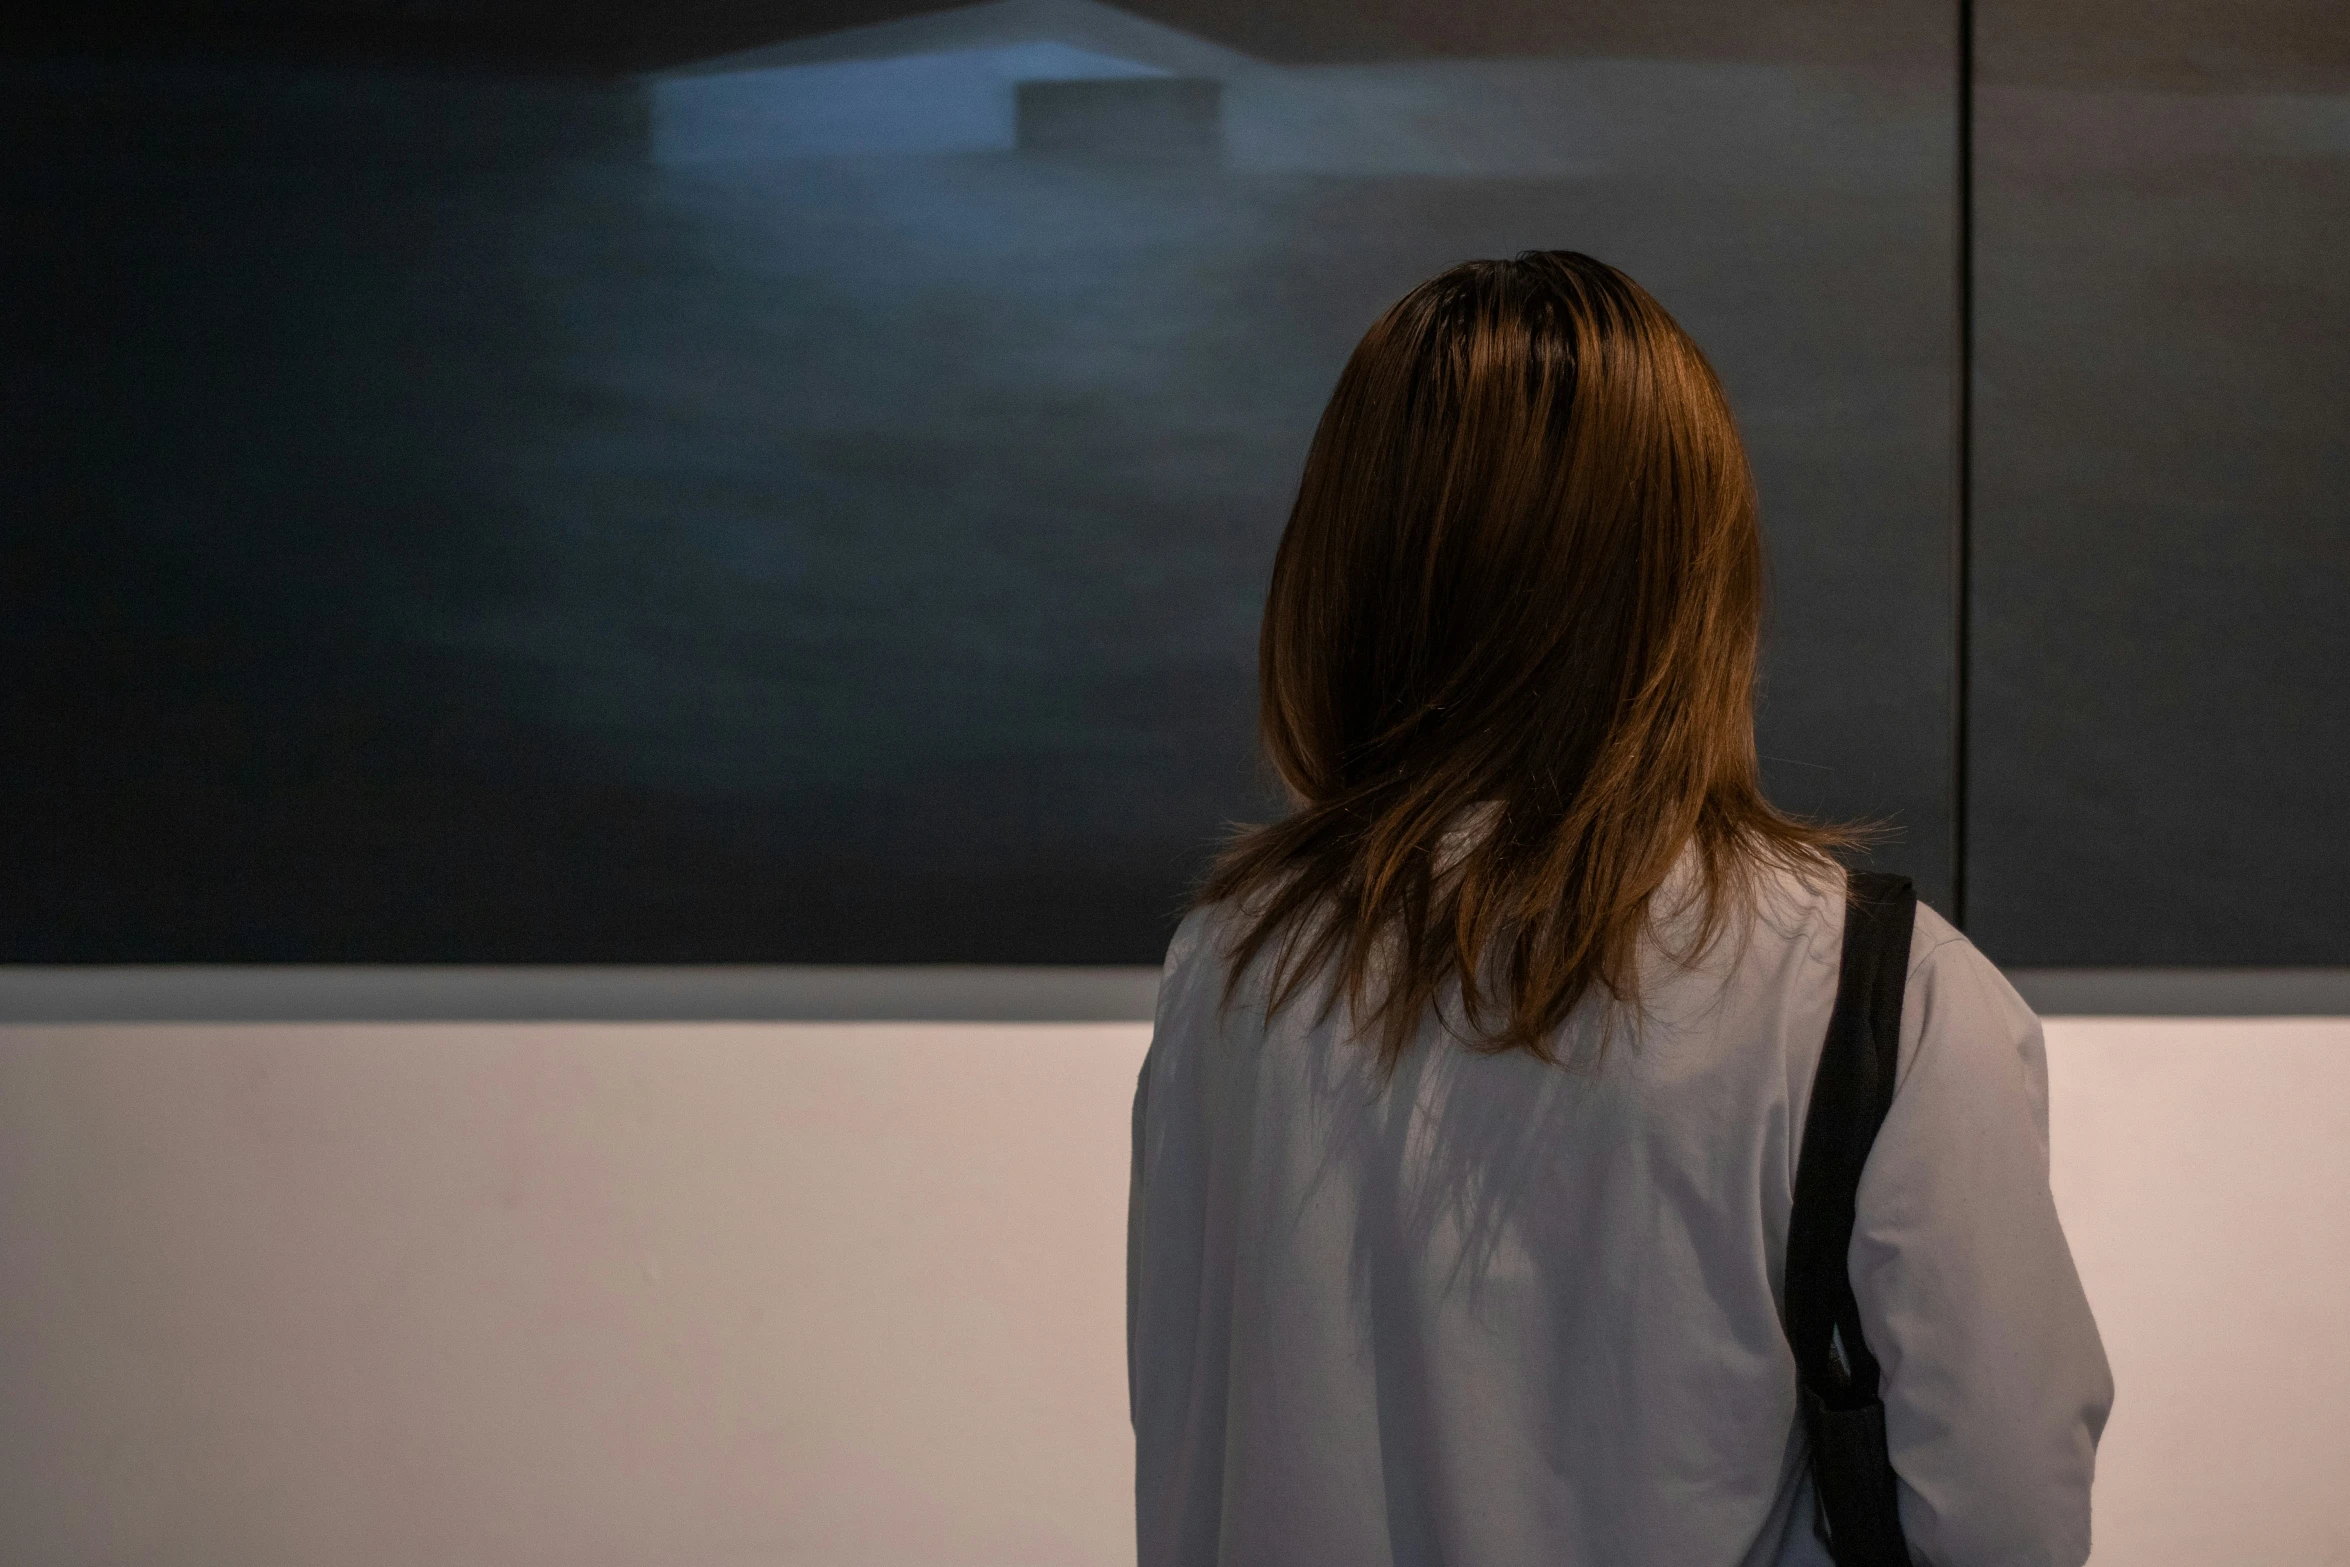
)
(714, 1295)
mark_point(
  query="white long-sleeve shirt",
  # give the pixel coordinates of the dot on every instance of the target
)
(1505, 1313)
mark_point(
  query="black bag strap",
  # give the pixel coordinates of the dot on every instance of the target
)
(1852, 1473)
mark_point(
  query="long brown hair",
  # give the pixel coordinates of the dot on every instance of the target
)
(1521, 590)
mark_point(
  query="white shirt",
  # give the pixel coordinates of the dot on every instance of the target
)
(1505, 1313)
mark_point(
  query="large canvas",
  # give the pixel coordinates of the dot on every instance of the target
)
(2162, 450)
(810, 500)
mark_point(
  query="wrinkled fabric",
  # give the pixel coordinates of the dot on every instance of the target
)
(1505, 1313)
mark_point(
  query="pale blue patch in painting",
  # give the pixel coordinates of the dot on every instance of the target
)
(959, 100)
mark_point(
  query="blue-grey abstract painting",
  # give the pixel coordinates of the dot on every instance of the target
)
(500, 486)
(2160, 756)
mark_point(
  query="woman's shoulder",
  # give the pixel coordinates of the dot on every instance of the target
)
(1809, 905)
(1195, 933)
(1802, 915)
(1936, 943)
(1194, 963)
(1967, 1035)
(1204, 985)
(1210, 932)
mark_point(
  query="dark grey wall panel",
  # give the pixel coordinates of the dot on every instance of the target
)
(2161, 700)
(765, 512)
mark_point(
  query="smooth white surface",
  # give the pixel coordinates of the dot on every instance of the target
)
(710, 1295)
(2203, 1172)
(675, 1296)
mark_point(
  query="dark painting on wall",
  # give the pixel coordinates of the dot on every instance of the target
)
(805, 495)
(2160, 745)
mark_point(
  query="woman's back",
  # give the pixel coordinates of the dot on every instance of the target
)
(1520, 1303)
(1501, 1311)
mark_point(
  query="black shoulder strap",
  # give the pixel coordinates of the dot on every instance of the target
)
(1843, 1415)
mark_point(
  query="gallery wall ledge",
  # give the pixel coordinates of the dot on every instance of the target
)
(943, 993)
(969, 993)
